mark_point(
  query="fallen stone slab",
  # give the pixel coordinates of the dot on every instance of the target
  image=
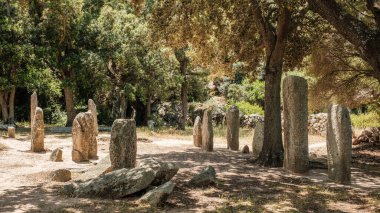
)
(116, 184)
(61, 175)
(158, 195)
(101, 168)
(163, 171)
(206, 177)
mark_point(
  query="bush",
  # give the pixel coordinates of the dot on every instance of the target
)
(248, 108)
(371, 119)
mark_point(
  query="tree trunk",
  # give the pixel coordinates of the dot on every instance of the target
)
(148, 109)
(11, 118)
(69, 103)
(272, 153)
(123, 105)
(182, 122)
(4, 108)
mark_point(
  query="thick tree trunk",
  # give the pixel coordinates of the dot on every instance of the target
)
(272, 153)
(4, 107)
(11, 118)
(123, 105)
(184, 104)
(69, 103)
(148, 109)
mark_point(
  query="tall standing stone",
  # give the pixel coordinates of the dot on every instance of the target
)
(123, 145)
(38, 131)
(296, 156)
(197, 132)
(92, 109)
(339, 145)
(207, 132)
(233, 124)
(83, 137)
(33, 106)
(258, 138)
(11, 132)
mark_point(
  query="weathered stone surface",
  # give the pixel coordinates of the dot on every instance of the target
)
(123, 145)
(296, 149)
(245, 149)
(101, 168)
(233, 124)
(56, 155)
(197, 132)
(258, 138)
(206, 177)
(157, 196)
(207, 132)
(61, 175)
(83, 136)
(116, 184)
(38, 131)
(33, 106)
(11, 132)
(94, 113)
(163, 171)
(339, 145)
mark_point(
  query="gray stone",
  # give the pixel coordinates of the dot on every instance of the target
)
(207, 132)
(33, 106)
(233, 124)
(94, 113)
(60, 175)
(339, 144)
(11, 132)
(258, 138)
(245, 149)
(295, 113)
(38, 131)
(163, 171)
(197, 132)
(101, 168)
(123, 145)
(206, 177)
(83, 137)
(116, 184)
(56, 155)
(157, 197)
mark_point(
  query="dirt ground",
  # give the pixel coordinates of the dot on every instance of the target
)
(241, 187)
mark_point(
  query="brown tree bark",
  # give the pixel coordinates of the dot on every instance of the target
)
(69, 104)
(148, 108)
(366, 39)
(4, 108)
(183, 62)
(11, 118)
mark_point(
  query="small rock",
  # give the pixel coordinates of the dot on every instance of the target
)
(56, 155)
(206, 177)
(60, 175)
(245, 150)
(157, 196)
(164, 171)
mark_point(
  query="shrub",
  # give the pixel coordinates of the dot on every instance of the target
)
(371, 119)
(248, 108)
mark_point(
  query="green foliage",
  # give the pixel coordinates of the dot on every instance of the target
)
(248, 108)
(251, 92)
(371, 119)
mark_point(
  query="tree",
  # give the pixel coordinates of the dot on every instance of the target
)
(362, 31)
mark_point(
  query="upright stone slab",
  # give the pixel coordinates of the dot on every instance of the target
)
(11, 132)
(339, 145)
(296, 150)
(38, 131)
(123, 145)
(92, 109)
(33, 106)
(258, 138)
(207, 132)
(233, 124)
(197, 132)
(83, 136)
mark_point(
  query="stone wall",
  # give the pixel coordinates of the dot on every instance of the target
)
(318, 124)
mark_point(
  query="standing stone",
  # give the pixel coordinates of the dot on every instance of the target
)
(245, 150)
(92, 109)
(296, 150)
(83, 136)
(258, 138)
(123, 145)
(233, 124)
(11, 132)
(207, 132)
(56, 155)
(197, 132)
(38, 131)
(33, 106)
(339, 145)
